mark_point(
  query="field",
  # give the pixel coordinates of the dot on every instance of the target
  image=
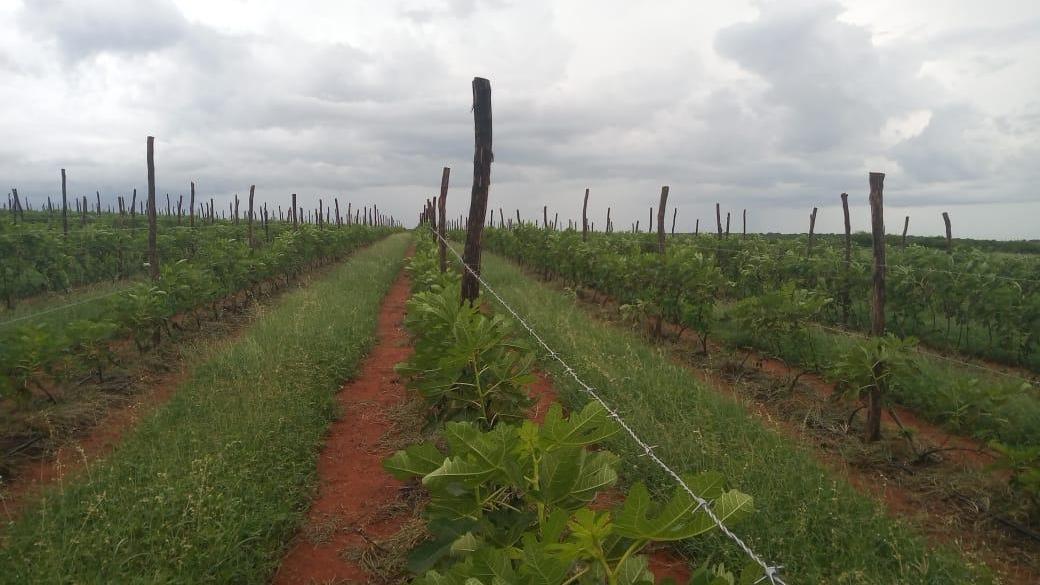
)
(295, 440)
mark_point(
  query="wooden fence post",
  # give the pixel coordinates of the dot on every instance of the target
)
(743, 232)
(295, 220)
(191, 206)
(482, 158)
(675, 214)
(249, 221)
(14, 206)
(949, 233)
(442, 221)
(610, 226)
(585, 217)
(877, 313)
(660, 220)
(697, 227)
(153, 250)
(98, 195)
(812, 230)
(845, 300)
(64, 206)
(906, 226)
(718, 220)
(727, 225)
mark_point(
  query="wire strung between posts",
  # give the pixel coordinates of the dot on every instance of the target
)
(770, 571)
(59, 308)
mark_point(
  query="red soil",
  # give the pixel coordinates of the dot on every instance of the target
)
(353, 485)
(75, 455)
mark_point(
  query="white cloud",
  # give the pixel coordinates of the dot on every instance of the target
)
(772, 106)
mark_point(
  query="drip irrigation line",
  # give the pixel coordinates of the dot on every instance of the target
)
(770, 571)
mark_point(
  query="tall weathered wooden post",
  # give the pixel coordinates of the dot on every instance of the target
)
(812, 230)
(64, 206)
(660, 218)
(877, 305)
(949, 233)
(482, 157)
(585, 216)
(845, 301)
(442, 221)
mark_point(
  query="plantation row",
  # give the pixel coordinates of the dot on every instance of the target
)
(510, 500)
(768, 309)
(38, 257)
(198, 269)
(212, 485)
(974, 302)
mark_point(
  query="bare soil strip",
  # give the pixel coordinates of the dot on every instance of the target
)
(358, 502)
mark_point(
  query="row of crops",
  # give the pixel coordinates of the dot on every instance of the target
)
(511, 500)
(768, 295)
(977, 303)
(36, 257)
(199, 269)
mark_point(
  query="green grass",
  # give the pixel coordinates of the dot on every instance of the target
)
(210, 488)
(807, 519)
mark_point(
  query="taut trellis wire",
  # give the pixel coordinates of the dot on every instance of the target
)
(770, 571)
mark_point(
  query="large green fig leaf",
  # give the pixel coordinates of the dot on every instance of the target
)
(679, 518)
(416, 460)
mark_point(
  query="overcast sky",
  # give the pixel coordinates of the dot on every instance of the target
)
(771, 106)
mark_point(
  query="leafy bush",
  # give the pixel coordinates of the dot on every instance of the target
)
(515, 500)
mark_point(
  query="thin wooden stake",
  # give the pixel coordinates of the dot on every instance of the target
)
(585, 216)
(906, 226)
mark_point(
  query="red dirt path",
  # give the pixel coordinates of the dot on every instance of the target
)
(353, 485)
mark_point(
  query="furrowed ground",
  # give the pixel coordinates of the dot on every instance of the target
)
(212, 486)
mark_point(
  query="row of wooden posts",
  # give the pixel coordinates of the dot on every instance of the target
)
(434, 206)
(207, 213)
(433, 215)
